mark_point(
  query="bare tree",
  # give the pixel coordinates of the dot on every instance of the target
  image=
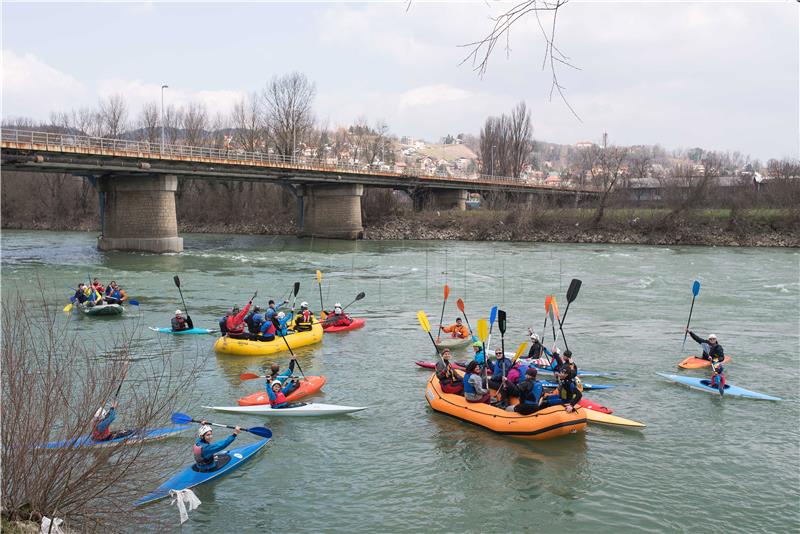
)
(358, 139)
(195, 124)
(288, 110)
(149, 122)
(611, 162)
(249, 131)
(520, 139)
(113, 116)
(173, 118)
(377, 145)
(494, 141)
(639, 162)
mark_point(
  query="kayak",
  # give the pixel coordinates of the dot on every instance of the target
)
(550, 422)
(181, 332)
(102, 309)
(357, 323)
(189, 477)
(297, 409)
(461, 367)
(591, 405)
(704, 384)
(600, 418)
(308, 386)
(128, 437)
(453, 343)
(246, 347)
(699, 363)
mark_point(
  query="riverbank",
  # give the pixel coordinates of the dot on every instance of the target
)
(723, 227)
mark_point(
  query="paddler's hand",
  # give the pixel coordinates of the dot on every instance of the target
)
(114, 405)
(570, 408)
(236, 431)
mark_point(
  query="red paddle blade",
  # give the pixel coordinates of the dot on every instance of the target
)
(460, 304)
(249, 376)
(446, 291)
(547, 301)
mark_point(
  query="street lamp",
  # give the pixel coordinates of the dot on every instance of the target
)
(162, 116)
(493, 147)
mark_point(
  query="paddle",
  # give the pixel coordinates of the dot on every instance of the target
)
(520, 351)
(483, 335)
(572, 294)
(695, 291)
(501, 324)
(178, 284)
(444, 302)
(319, 284)
(460, 305)
(547, 303)
(253, 376)
(426, 325)
(124, 374)
(182, 419)
(296, 290)
(492, 318)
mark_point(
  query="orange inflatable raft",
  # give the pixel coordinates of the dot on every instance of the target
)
(547, 423)
(308, 385)
(699, 363)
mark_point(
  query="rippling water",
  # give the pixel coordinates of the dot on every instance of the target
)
(702, 464)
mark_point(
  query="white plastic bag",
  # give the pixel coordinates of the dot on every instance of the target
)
(184, 498)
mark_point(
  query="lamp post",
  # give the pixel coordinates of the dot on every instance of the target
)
(162, 116)
(493, 147)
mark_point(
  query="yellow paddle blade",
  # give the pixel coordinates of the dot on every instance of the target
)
(423, 320)
(520, 351)
(319, 276)
(483, 330)
(68, 307)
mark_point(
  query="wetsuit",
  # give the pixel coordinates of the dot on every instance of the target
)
(714, 353)
(530, 395)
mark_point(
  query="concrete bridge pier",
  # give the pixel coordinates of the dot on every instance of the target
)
(139, 213)
(443, 199)
(332, 211)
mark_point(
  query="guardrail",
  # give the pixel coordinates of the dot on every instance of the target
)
(74, 143)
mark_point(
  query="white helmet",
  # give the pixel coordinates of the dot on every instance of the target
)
(337, 305)
(203, 430)
(304, 304)
(712, 336)
(272, 384)
(534, 337)
(281, 315)
(178, 312)
(100, 413)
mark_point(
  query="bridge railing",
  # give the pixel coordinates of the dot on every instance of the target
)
(69, 142)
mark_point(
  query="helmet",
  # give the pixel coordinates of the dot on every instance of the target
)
(478, 344)
(304, 304)
(567, 353)
(203, 430)
(178, 312)
(100, 413)
(337, 305)
(274, 383)
(712, 336)
(256, 309)
(281, 315)
(719, 368)
(235, 310)
(534, 337)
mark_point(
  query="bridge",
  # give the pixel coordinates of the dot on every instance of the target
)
(145, 175)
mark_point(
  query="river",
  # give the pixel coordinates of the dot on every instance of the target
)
(702, 464)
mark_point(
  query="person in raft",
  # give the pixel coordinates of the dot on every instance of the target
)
(234, 322)
(204, 450)
(80, 295)
(718, 378)
(480, 357)
(253, 321)
(473, 384)
(502, 366)
(101, 423)
(277, 393)
(567, 392)
(337, 317)
(179, 322)
(448, 379)
(304, 319)
(457, 330)
(535, 351)
(98, 286)
(567, 362)
(115, 295)
(712, 350)
(530, 392)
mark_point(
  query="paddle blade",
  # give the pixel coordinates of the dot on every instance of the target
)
(460, 305)
(262, 431)
(296, 288)
(547, 301)
(520, 351)
(181, 418)
(176, 280)
(133, 302)
(483, 330)
(68, 307)
(501, 321)
(554, 309)
(574, 287)
(695, 288)
(423, 321)
(360, 296)
(446, 291)
(249, 376)
(319, 276)
(492, 315)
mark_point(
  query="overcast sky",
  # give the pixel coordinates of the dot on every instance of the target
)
(717, 75)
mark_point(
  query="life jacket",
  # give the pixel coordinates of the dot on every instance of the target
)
(532, 395)
(115, 294)
(280, 398)
(567, 390)
(97, 435)
(268, 328)
(248, 320)
(223, 325)
(523, 369)
(469, 389)
(445, 376)
(302, 322)
(716, 380)
(198, 455)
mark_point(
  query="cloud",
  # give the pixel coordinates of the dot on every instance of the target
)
(432, 95)
(33, 88)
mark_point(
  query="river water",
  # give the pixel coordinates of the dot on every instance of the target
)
(702, 464)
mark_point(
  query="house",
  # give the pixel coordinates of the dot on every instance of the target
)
(583, 144)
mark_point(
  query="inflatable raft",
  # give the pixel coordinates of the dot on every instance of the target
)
(699, 363)
(308, 386)
(102, 309)
(550, 422)
(245, 347)
(357, 323)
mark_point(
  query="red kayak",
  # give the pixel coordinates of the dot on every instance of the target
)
(357, 323)
(584, 402)
(308, 385)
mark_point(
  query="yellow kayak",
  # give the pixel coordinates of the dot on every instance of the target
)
(245, 347)
(595, 418)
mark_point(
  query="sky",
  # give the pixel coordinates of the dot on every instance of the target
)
(722, 76)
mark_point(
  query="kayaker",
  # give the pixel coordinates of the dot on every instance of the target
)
(115, 295)
(276, 374)
(712, 350)
(304, 319)
(234, 323)
(337, 317)
(535, 352)
(204, 450)
(457, 330)
(80, 295)
(530, 393)
(473, 384)
(448, 379)
(101, 423)
(567, 393)
(180, 323)
(718, 378)
(480, 357)
(277, 394)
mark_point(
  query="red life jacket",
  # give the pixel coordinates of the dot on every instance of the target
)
(198, 456)
(280, 398)
(96, 434)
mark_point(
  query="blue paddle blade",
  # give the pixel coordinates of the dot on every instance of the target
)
(261, 431)
(181, 418)
(492, 315)
(133, 302)
(695, 288)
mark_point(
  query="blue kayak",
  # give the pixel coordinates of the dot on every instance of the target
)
(704, 384)
(130, 436)
(188, 477)
(586, 386)
(580, 373)
(180, 332)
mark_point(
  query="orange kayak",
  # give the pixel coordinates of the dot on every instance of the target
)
(308, 385)
(698, 363)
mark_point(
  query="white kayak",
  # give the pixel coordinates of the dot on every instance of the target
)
(294, 409)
